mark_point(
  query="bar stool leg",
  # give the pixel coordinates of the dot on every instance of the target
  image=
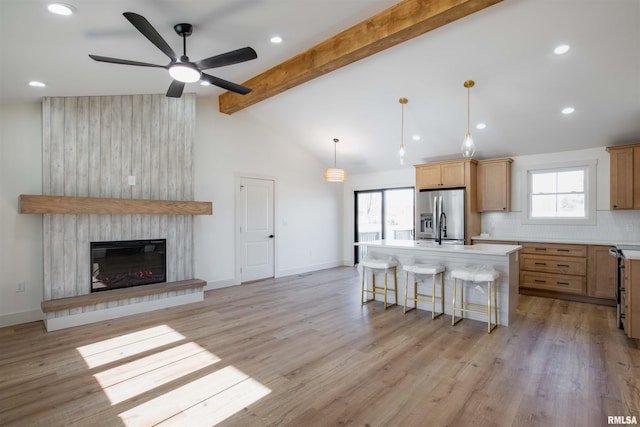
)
(495, 301)
(406, 289)
(488, 307)
(385, 288)
(364, 273)
(433, 296)
(395, 284)
(453, 304)
(442, 292)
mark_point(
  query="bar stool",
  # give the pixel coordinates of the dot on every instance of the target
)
(379, 264)
(424, 269)
(470, 274)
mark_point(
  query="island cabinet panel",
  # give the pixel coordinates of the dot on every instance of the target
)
(554, 267)
(601, 272)
(494, 185)
(625, 176)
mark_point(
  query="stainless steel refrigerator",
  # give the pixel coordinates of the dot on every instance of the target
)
(440, 214)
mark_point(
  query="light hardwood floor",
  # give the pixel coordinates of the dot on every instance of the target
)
(303, 351)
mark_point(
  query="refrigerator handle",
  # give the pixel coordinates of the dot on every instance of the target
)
(435, 215)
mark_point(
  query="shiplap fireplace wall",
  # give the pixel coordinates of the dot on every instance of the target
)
(91, 146)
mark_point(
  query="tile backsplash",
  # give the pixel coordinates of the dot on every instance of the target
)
(610, 227)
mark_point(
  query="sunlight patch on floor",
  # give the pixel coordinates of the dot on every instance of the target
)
(147, 373)
(205, 401)
(117, 348)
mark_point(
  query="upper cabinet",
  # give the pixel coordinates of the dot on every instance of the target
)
(625, 176)
(494, 185)
(438, 175)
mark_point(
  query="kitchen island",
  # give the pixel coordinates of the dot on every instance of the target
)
(503, 258)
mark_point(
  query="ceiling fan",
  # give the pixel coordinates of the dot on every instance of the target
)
(180, 68)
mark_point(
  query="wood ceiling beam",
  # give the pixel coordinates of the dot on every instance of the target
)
(399, 23)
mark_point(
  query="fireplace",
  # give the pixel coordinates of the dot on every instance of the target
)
(123, 264)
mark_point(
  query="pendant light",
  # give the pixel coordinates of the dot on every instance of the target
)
(402, 101)
(468, 147)
(335, 174)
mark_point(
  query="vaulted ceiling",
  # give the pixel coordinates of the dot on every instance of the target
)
(507, 48)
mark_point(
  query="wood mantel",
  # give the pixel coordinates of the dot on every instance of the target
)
(34, 204)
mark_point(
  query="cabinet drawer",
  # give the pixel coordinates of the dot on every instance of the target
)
(554, 249)
(554, 264)
(553, 282)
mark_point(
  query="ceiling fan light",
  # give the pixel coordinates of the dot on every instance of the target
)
(185, 73)
(335, 175)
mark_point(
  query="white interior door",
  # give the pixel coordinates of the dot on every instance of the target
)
(256, 229)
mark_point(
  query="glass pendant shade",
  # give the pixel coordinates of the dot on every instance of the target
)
(185, 73)
(335, 174)
(468, 147)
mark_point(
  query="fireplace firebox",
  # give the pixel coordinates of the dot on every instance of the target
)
(123, 264)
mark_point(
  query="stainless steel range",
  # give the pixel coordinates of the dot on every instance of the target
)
(618, 253)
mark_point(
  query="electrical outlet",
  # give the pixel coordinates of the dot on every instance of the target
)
(20, 287)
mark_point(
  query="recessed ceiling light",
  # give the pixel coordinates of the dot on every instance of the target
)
(276, 39)
(61, 9)
(481, 126)
(36, 84)
(416, 137)
(568, 110)
(561, 49)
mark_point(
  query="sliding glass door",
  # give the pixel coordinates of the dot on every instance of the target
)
(383, 214)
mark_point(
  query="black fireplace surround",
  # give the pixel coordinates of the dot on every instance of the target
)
(123, 264)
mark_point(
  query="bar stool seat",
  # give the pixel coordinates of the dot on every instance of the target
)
(424, 269)
(471, 274)
(374, 264)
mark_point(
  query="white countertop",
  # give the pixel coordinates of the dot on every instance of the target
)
(577, 241)
(480, 249)
(635, 255)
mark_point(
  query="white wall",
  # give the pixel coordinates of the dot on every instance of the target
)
(308, 209)
(20, 235)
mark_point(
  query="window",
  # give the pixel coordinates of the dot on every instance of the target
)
(561, 194)
(383, 214)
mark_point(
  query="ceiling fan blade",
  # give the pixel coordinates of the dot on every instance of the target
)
(124, 61)
(232, 57)
(147, 30)
(225, 84)
(175, 89)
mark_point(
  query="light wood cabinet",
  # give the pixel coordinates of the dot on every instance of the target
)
(449, 174)
(454, 174)
(554, 267)
(494, 185)
(601, 272)
(625, 176)
(630, 300)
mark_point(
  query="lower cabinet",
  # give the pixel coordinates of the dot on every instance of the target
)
(587, 272)
(554, 267)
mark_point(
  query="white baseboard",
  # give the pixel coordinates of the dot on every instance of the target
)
(21, 317)
(309, 268)
(57, 323)
(218, 284)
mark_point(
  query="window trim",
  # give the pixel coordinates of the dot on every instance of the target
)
(589, 192)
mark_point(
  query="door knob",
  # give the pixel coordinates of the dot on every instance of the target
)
(271, 236)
